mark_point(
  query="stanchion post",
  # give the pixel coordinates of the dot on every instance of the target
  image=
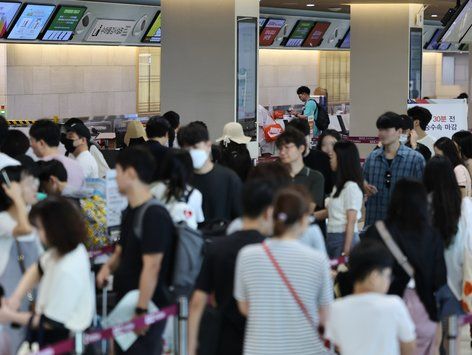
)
(452, 335)
(104, 315)
(79, 343)
(183, 326)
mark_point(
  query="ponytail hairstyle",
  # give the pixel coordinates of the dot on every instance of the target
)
(290, 206)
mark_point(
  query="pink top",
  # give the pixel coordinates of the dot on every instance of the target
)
(75, 175)
(463, 179)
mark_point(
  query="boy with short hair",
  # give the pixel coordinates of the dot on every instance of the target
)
(421, 118)
(45, 137)
(141, 261)
(220, 186)
(292, 146)
(369, 322)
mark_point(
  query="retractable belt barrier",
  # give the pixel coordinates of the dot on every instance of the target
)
(94, 337)
(108, 249)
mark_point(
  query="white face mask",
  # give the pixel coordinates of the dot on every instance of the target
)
(199, 158)
(403, 138)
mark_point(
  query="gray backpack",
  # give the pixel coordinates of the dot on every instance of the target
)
(187, 254)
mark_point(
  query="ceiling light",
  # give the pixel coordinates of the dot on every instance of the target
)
(434, 15)
(310, 5)
(335, 9)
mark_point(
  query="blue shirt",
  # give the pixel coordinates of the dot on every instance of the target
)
(406, 164)
(311, 110)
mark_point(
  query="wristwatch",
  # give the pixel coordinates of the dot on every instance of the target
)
(139, 311)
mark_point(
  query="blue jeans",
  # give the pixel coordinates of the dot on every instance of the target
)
(335, 244)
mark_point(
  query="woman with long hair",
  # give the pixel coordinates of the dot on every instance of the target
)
(345, 203)
(409, 224)
(445, 147)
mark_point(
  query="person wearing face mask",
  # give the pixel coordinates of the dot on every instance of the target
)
(387, 165)
(76, 143)
(220, 186)
(157, 130)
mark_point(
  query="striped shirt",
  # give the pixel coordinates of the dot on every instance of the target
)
(275, 323)
(406, 164)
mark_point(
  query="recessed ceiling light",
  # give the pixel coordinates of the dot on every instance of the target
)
(434, 15)
(335, 9)
(310, 5)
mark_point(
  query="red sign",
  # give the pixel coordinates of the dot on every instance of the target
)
(315, 37)
(270, 31)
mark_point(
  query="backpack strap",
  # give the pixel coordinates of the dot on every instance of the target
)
(139, 217)
(187, 196)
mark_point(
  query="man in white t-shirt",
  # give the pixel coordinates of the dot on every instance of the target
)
(77, 143)
(369, 322)
(421, 118)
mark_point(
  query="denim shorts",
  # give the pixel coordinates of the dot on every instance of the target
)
(335, 244)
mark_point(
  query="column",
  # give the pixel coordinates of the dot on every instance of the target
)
(380, 37)
(469, 92)
(199, 58)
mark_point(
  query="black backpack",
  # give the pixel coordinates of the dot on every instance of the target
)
(322, 121)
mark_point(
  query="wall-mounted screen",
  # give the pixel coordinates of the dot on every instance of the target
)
(246, 110)
(153, 35)
(444, 46)
(299, 33)
(64, 23)
(8, 10)
(262, 21)
(416, 62)
(270, 31)
(433, 42)
(315, 37)
(345, 43)
(31, 22)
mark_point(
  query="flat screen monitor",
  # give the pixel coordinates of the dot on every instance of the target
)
(262, 21)
(153, 35)
(31, 22)
(8, 10)
(299, 33)
(345, 43)
(433, 42)
(315, 37)
(63, 25)
(270, 31)
(444, 46)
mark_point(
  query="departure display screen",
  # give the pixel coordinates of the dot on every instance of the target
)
(153, 35)
(8, 11)
(299, 33)
(270, 31)
(315, 37)
(64, 23)
(346, 41)
(433, 43)
(31, 22)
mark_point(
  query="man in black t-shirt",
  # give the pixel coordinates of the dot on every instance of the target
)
(157, 130)
(140, 261)
(313, 158)
(217, 273)
(220, 186)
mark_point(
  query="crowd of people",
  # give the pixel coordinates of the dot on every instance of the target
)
(263, 283)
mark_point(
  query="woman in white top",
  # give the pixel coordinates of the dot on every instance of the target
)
(276, 324)
(17, 194)
(344, 207)
(183, 201)
(446, 147)
(65, 300)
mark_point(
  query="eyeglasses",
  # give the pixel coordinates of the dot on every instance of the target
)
(388, 179)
